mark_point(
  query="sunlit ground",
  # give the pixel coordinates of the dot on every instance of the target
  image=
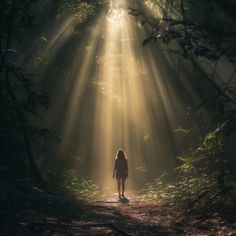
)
(110, 92)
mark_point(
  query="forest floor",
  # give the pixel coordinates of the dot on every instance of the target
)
(32, 211)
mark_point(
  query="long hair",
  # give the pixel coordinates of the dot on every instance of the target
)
(121, 155)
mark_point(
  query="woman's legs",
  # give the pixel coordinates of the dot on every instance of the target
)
(118, 185)
(123, 186)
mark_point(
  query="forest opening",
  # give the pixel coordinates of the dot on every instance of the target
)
(120, 95)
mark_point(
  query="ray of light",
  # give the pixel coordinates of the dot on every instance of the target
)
(113, 93)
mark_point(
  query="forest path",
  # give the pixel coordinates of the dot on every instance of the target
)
(127, 217)
(29, 211)
(133, 216)
(130, 216)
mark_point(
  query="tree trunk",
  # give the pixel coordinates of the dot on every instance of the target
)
(182, 9)
(28, 149)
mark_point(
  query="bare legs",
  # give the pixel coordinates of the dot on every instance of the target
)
(121, 186)
(118, 186)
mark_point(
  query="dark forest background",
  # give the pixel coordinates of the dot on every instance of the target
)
(200, 34)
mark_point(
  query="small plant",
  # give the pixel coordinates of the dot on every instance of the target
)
(81, 187)
(202, 180)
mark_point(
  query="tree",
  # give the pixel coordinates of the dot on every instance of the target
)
(20, 97)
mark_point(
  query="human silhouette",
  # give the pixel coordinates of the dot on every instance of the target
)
(121, 171)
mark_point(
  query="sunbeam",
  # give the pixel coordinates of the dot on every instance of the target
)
(116, 94)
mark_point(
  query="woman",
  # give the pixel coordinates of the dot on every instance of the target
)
(121, 171)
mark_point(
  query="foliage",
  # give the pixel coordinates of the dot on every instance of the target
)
(195, 34)
(191, 30)
(22, 101)
(79, 8)
(203, 179)
(70, 182)
(21, 98)
(197, 39)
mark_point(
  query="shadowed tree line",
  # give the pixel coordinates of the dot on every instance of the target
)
(191, 30)
(196, 34)
(22, 99)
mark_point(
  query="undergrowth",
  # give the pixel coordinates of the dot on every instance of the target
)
(70, 183)
(203, 180)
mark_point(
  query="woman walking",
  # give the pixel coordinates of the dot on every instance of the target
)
(121, 171)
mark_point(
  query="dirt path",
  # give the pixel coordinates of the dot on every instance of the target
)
(134, 217)
(30, 211)
(126, 217)
(27, 212)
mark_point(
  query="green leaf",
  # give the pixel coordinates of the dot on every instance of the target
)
(44, 39)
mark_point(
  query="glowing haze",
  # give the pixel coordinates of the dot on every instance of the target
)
(113, 93)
